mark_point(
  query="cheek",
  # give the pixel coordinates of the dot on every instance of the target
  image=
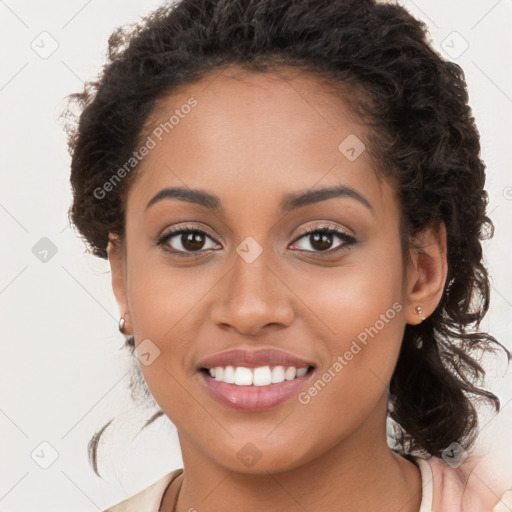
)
(360, 321)
(362, 355)
(163, 300)
(365, 292)
(362, 348)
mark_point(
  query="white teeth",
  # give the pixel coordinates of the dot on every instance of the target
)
(229, 375)
(260, 376)
(290, 373)
(301, 372)
(277, 374)
(243, 376)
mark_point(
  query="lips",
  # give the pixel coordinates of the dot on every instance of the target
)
(266, 390)
(254, 359)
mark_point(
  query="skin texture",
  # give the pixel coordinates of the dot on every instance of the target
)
(251, 139)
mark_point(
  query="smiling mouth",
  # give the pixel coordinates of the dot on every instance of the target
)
(256, 377)
(257, 388)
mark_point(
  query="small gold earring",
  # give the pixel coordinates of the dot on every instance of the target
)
(420, 312)
(122, 323)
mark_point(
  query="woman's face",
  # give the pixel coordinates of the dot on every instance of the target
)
(259, 149)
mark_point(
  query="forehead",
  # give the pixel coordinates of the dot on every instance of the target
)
(235, 131)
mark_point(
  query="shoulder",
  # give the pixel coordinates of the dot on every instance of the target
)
(449, 488)
(149, 498)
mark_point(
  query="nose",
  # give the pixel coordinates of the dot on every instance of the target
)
(253, 298)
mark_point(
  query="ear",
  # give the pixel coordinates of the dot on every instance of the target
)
(117, 261)
(426, 272)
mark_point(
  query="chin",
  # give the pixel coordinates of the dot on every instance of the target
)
(259, 457)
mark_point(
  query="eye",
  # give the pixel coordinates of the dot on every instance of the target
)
(321, 239)
(192, 241)
(188, 240)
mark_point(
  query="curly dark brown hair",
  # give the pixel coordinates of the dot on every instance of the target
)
(422, 136)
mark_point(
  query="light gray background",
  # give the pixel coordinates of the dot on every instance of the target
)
(63, 374)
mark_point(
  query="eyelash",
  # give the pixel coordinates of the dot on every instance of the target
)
(348, 240)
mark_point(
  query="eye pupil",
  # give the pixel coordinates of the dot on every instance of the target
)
(192, 240)
(321, 241)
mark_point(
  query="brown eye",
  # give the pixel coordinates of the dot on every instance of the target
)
(321, 240)
(185, 240)
(192, 241)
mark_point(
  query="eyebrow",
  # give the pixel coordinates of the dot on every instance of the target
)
(290, 201)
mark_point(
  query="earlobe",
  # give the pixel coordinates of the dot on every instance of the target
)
(426, 274)
(117, 268)
(419, 310)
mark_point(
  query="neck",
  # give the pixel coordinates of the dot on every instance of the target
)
(359, 473)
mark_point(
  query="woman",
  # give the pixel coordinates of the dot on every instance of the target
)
(291, 199)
